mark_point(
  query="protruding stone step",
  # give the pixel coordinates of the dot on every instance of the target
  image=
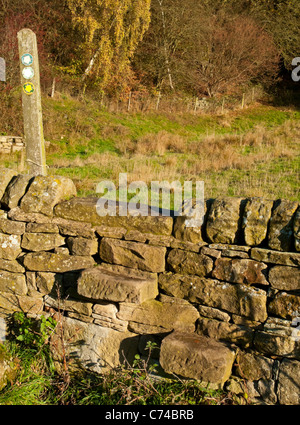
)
(99, 283)
(198, 357)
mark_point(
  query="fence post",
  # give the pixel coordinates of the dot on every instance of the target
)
(2, 70)
(31, 102)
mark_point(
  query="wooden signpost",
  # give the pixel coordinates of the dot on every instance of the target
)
(31, 102)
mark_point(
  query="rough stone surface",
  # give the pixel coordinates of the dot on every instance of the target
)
(11, 227)
(41, 241)
(217, 294)
(85, 209)
(47, 282)
(278, 338)
(297, 229)
(74, 228)
(14, 283)
(289, 382)
(57, 263)
(276, 257)
(223, 220)
(45, 192)
(225, 331)
(16, 190)
(93, 347)
(74, 306)
(185, 262)
(101, 284)
(19, 215)
(159, 317)
(285, 305)
(285, 278)
(213, 313)
(41, 228)
(256, 217)
(253, 367)
(6, 176)
(105, 314)
(11, 266)
(133, 254)
(31, 305)
(198, 357)
(244, 271)
(280, 235)
(10, 246)
(82, 246)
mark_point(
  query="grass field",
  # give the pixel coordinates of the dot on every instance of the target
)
(247, 152)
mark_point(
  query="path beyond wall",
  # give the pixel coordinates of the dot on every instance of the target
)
(222, 301)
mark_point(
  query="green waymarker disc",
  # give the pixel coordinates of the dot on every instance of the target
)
(27, 59)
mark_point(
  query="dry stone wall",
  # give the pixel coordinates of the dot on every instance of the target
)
(222, 301)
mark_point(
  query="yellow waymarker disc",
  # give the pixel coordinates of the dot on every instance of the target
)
(28, 88)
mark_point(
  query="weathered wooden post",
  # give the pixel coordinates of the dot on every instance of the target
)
(2, 70)
(31, 101)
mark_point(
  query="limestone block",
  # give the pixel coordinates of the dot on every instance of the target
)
(223, 220)
(185, 262)
(224, 331)
(133, 254)
(33, 306)
(9, 302)
(244, 271)
(197, 357)
(189, 227)
(93, 347)
(14, 283)
(57, 263)
(101, 284)
(6, 176)
(105, 315)
(82, 246)
(47, 282)
(41, 228)
(11, 266)
(285, 305)
(234, 298)
(213, 313)
(19, 215)
(75, 306)
(280, 236)
(16, 190)
(41, 241)
(11, 227)
(276, 257)
(289, 382)
(285, 278)
(278, 338)
(111, 232)
(161, 317)
(10, 246)
(85, 209)
(253, 367)
(74, 228)
(45, 192)
(256, 217)
(297, 229)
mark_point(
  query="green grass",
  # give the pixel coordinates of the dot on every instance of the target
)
(38, 384)
(245, 152)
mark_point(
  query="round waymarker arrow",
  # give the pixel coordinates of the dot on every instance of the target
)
(27, 59)
(28, 88)
(28, 73)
